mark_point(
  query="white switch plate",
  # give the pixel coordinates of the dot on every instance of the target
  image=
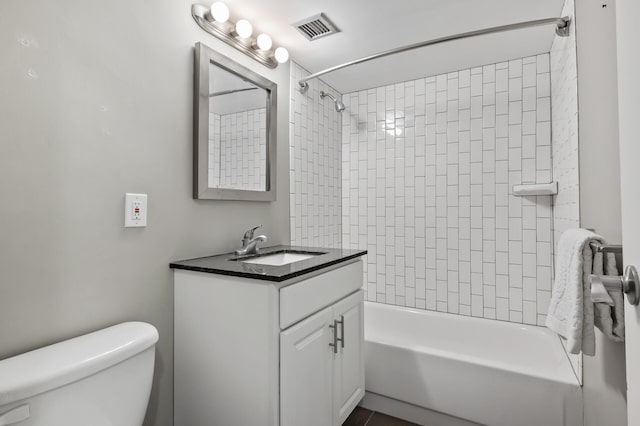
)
(135, 210)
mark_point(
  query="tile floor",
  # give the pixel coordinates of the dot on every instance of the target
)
(363, 417)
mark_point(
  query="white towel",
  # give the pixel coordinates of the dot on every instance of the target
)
(608, 307)
(570, 309)
(599, 293)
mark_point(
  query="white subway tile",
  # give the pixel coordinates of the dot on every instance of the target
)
(464, 78)
(515, 228)
(543, 157)
(515, 136)
(515, 112)
(502, 309)
(502, 239)
(543, 176)
(543, 87)
(543, 254)
(515, 298)
(452, 87)
(544, 278)
(502, 80)
(529, 265)
(489, 296)
(543, 231)
(543, 63)
(489, 93)
(441, 102)
(529, 123)
(441, 82)
(542, 301)
(544, 109)
(543, 134)
(502, 103)
(489, 116)
(515, 68)
(528, 170)
(502, 149)
(489, 73)
(515, 89)
(515, 316)
(502, 171)
(529, 313)
(529, 75)
(476, 84)
(477, 310)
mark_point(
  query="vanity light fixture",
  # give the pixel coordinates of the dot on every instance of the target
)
(282, 55)
(214, 19)
(264, 42)
(219, 12)
(244, 29)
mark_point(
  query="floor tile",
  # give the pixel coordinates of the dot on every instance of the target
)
(358, 417)
(379, 419)
(363, 417)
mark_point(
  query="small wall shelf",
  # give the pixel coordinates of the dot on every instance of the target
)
(524, 190)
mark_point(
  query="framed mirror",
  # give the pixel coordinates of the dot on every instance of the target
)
(235, 114)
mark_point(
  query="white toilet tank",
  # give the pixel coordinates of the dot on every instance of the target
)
(99, 379)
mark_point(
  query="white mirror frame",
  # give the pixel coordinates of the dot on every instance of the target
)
(204, 57)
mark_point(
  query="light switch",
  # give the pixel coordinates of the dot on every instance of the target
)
(135, 210)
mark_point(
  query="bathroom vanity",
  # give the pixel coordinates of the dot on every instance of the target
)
(271, 339)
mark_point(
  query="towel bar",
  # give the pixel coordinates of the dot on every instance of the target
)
(628, 283)
(605, 248)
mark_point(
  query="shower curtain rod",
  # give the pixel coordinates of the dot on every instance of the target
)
(228, 92)
(562, 29)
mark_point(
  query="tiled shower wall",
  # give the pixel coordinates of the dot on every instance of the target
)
(314, 165)
(427, 171)
(237, 150)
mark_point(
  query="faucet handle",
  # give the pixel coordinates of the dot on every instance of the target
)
(249, 233)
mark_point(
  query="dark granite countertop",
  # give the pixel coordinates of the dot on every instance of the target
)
(230, 264)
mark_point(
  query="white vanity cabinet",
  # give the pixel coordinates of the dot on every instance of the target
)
(254, 352)
(321, 368)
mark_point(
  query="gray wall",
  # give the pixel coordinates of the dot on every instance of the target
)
(96, 101)
(603, 375)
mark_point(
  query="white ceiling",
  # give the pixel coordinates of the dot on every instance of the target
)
(372, 26)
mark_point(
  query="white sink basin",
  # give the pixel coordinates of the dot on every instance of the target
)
(279, 259)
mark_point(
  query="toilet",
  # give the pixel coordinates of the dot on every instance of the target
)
(99, 379)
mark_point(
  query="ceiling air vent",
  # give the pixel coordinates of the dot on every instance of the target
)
(316, 27)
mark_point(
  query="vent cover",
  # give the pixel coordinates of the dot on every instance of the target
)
(316, 27)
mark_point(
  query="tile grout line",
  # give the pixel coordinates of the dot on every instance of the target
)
(369, 418)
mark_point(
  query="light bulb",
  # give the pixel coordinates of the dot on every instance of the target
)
(282, 55)
(264, 42)
(244, 28)
(220, 12)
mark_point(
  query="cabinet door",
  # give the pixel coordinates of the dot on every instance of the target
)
(306, 365)
(348, 373)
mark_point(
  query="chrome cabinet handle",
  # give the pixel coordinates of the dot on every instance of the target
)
(341, 322)
(334, 345)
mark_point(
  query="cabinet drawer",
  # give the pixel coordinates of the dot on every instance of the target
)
(302, 299)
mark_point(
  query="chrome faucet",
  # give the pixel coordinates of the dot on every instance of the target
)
(249, 243)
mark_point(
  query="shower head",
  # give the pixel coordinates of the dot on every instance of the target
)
(339, 105)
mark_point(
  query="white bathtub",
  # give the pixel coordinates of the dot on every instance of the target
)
(483, 371)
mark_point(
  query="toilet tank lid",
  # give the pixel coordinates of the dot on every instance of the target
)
(41, 370)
